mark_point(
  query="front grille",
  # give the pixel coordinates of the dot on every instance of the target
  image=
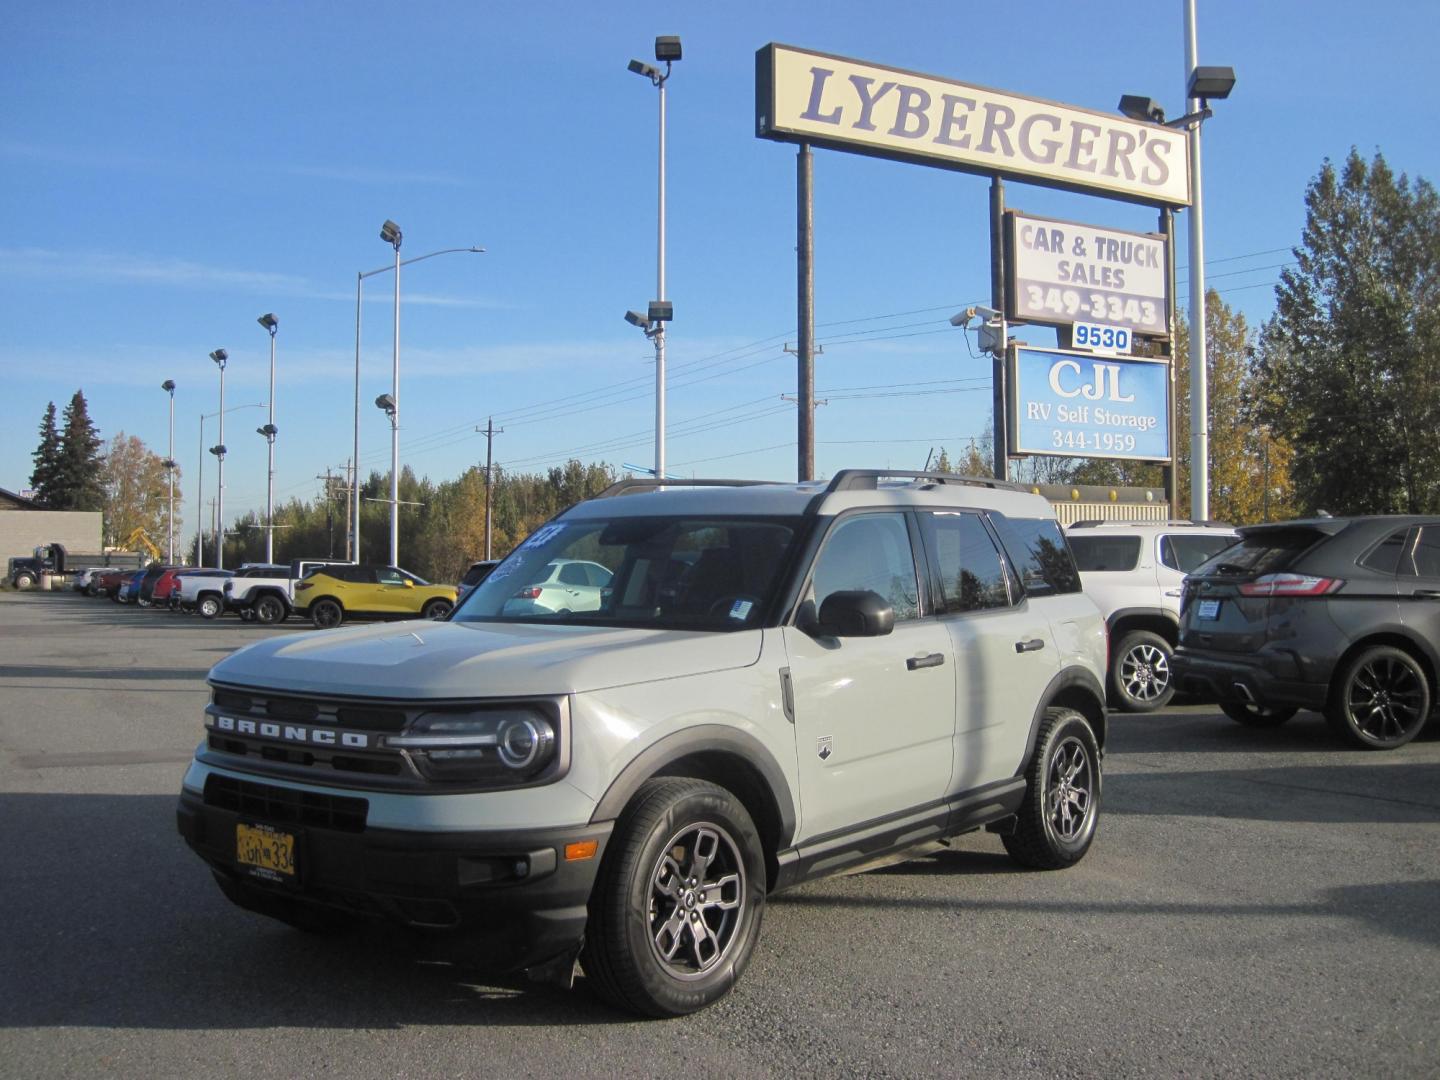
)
(286, 806)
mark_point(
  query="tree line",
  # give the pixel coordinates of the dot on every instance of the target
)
(1331, 406)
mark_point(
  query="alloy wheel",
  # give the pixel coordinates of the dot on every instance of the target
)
(1145, 673)
(697, 900)
(1386, 698)
(1069, 793)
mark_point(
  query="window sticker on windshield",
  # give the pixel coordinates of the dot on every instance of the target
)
(542, 534)
(740, 610)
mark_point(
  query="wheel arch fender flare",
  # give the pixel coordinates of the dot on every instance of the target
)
(1074, 688)
(718, 750)
(1157, 620)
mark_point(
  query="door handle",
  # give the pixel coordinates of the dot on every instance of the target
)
(1033, 645)
(915, 663)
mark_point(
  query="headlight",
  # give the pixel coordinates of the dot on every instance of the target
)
(501, 746)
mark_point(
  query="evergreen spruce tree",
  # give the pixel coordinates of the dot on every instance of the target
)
(79, 477)
(1352, 356)
(47, 460)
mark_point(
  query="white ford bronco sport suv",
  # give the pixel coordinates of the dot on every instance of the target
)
(1134, 572)
(782, 681)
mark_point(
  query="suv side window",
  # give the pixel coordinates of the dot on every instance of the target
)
(1385, 556)
(1425, 553)
(869, 551)
(972, 574)
(1185, 553)
(1097, 552)
(1038, 551)
(387, 576)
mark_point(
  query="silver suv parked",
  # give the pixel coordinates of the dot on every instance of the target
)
(778, 682)
(1134, 572)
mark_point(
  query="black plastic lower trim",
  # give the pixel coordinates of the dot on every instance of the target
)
(511, 893)
(834, 852)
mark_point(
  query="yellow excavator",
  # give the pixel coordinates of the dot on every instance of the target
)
(140, 538)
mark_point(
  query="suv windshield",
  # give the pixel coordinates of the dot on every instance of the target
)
(682, 573)
(1259, 553)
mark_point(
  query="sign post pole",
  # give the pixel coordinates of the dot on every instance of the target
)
(805, 345)
(997, 301)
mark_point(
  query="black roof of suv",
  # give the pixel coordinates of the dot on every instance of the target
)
(1340, 615)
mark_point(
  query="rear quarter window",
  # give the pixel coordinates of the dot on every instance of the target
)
(1105, 553)
(1184, 552)
(1041, 557)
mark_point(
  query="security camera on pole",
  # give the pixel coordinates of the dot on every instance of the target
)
(220, 356)
(169, 387)
(390, 233)
(271, 324)
(667, 49)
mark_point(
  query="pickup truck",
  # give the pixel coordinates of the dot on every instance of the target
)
(267, 593)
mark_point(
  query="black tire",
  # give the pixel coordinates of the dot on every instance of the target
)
(436, 609)
(210, 606)
(1141, 678)
(1256, 716)
(327, 613)
(1056, 822)
(1380, 700)
(23, 580)
(270, 610)
(311, 918)
(641, 952)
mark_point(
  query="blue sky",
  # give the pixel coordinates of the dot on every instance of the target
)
(172, 171)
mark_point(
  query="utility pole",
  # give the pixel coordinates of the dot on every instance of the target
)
(349, 495)
(329, 512)
(490, 431)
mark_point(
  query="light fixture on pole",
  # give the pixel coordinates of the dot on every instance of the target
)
(271, 324)
(667, 49)
(169, 387)
(1202, 84)
(355, 458)
(390, 233)
(220, 356)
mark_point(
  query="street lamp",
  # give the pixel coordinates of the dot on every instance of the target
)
(220, 356)
(169, 387)
(359, 300)
(390, 233)
(200, 479)
(667, 49)
(271, 324)
(1201, 84)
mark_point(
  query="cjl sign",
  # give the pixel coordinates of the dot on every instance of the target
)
(1075, 405)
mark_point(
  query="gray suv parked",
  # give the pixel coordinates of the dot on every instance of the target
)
(778, 682)
(1341, 615)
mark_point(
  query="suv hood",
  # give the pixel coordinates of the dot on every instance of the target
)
(433, 660)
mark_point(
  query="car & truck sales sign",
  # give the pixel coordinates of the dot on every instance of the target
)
(810, 97)
(1062, 273)
(1072, 404)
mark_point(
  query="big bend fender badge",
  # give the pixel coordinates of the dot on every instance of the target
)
(822, 747)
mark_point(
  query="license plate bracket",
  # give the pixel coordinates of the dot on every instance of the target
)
(266, 852)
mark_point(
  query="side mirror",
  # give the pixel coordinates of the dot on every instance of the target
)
(855, 613)
(409, 584)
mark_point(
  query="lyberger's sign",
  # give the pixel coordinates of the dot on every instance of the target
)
(803, 96)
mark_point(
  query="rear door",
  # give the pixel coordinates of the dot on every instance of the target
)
(1005, 653)
(1418, 578)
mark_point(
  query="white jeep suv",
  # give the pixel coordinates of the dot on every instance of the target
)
(1134, 572)
(780, 682)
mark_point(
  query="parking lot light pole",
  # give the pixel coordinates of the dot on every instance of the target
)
(667, 49)
(355, 457)
(220, 356)
(169, 387)
(271, 324)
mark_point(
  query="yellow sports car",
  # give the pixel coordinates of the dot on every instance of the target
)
(337, 593)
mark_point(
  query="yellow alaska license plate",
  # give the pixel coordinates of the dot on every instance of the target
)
(265, 852)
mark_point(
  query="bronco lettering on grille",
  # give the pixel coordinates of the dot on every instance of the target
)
(264, 729)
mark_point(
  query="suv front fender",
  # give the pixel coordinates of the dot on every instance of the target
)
(718, 747)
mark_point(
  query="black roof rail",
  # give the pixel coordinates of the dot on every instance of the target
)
(869, 480)
(632, 484)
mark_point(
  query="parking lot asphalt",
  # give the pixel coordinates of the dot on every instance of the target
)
(1256, 903)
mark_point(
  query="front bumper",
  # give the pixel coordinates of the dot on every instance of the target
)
(1259, 679)
(511, 894)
